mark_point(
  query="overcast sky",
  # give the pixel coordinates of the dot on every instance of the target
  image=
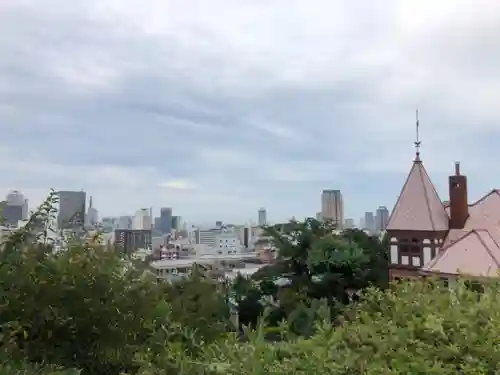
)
(218, 107)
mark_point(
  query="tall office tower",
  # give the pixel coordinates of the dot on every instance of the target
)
(165, 220)
(124, 222)
(262, 216)
(16, 198)
(176, 222)
(318, 216)
(332, 207)
(130, 240)
(10, 215)
(71, 209)
(349, 223)
(142, 220)
(382, 218)
(369, 221)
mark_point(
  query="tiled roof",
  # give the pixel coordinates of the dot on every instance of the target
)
(477, 253)
(474, 250)
(418, 206)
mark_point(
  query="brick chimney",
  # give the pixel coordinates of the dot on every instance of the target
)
(459, 209)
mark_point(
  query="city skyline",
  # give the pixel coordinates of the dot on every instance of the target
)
(245, 105)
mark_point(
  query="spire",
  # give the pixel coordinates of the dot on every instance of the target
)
(418, 207)
(417, 139)
(90, 202)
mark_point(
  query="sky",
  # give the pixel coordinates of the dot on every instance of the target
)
(219, 107)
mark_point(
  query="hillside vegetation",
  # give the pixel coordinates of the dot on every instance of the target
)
(90, 310)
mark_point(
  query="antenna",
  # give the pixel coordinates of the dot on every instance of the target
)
(417, 139)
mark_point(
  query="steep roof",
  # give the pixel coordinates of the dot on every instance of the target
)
(418, 207)
(477, 253)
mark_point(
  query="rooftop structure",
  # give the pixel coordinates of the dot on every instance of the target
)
(447, 239)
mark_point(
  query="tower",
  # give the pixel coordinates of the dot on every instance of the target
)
(418, 223)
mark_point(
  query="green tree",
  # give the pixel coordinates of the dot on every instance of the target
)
(417, 327)
(83, 307)
(200, 303)
(247, 298)
(321, 263)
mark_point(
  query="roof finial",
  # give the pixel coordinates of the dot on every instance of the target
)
(417, 140)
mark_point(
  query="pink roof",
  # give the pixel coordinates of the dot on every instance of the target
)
(476, 253)
(418, 206)
(485, 212)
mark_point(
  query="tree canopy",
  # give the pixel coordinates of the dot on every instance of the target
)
(89, 308)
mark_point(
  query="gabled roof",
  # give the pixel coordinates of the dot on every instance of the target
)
(418, 207)
(485, 213)
(476, 253)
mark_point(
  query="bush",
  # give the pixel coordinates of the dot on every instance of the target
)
(418, 327)
(85, 307)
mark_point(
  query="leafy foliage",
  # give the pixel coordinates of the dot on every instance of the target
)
(201, 305)
(88, 308)
(83, 307)
(320, 264)
(417, 327)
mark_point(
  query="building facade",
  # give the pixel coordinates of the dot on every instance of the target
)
(262, 217)
(71, 213)
(332, 207)
(381, 219)
(130, 240)
(142, 220)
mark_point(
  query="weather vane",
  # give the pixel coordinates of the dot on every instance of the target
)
(417, 140)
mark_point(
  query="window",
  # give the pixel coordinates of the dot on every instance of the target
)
(445, 282)
(409, 248)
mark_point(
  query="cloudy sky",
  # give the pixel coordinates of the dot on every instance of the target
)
(218, 107)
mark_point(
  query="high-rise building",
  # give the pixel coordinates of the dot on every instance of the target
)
(332, 207)
(262, 216)
(318, 216)
(382, 218)
(165, 220)
(71, 213)
(176, 222)
(124, 222)
(142, 220)
(10, 215)
(129, 240)
(349, 223)
(16, 198)
(369, 221)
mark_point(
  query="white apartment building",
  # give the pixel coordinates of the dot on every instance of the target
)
(142, 219)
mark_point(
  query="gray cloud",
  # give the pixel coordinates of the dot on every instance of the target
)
(253, 103)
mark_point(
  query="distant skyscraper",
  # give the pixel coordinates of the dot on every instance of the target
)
(124, 222)
(318, 216)
(10, 215)
(71, 209)
(142, 220)
(176, 222)
(129, 240)
(382, 218)
(16, 198)
(332, 207)
(369, 221)
(349, 223)
(262, 216)
(165, 220)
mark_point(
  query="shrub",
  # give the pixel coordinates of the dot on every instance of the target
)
(418, 327)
